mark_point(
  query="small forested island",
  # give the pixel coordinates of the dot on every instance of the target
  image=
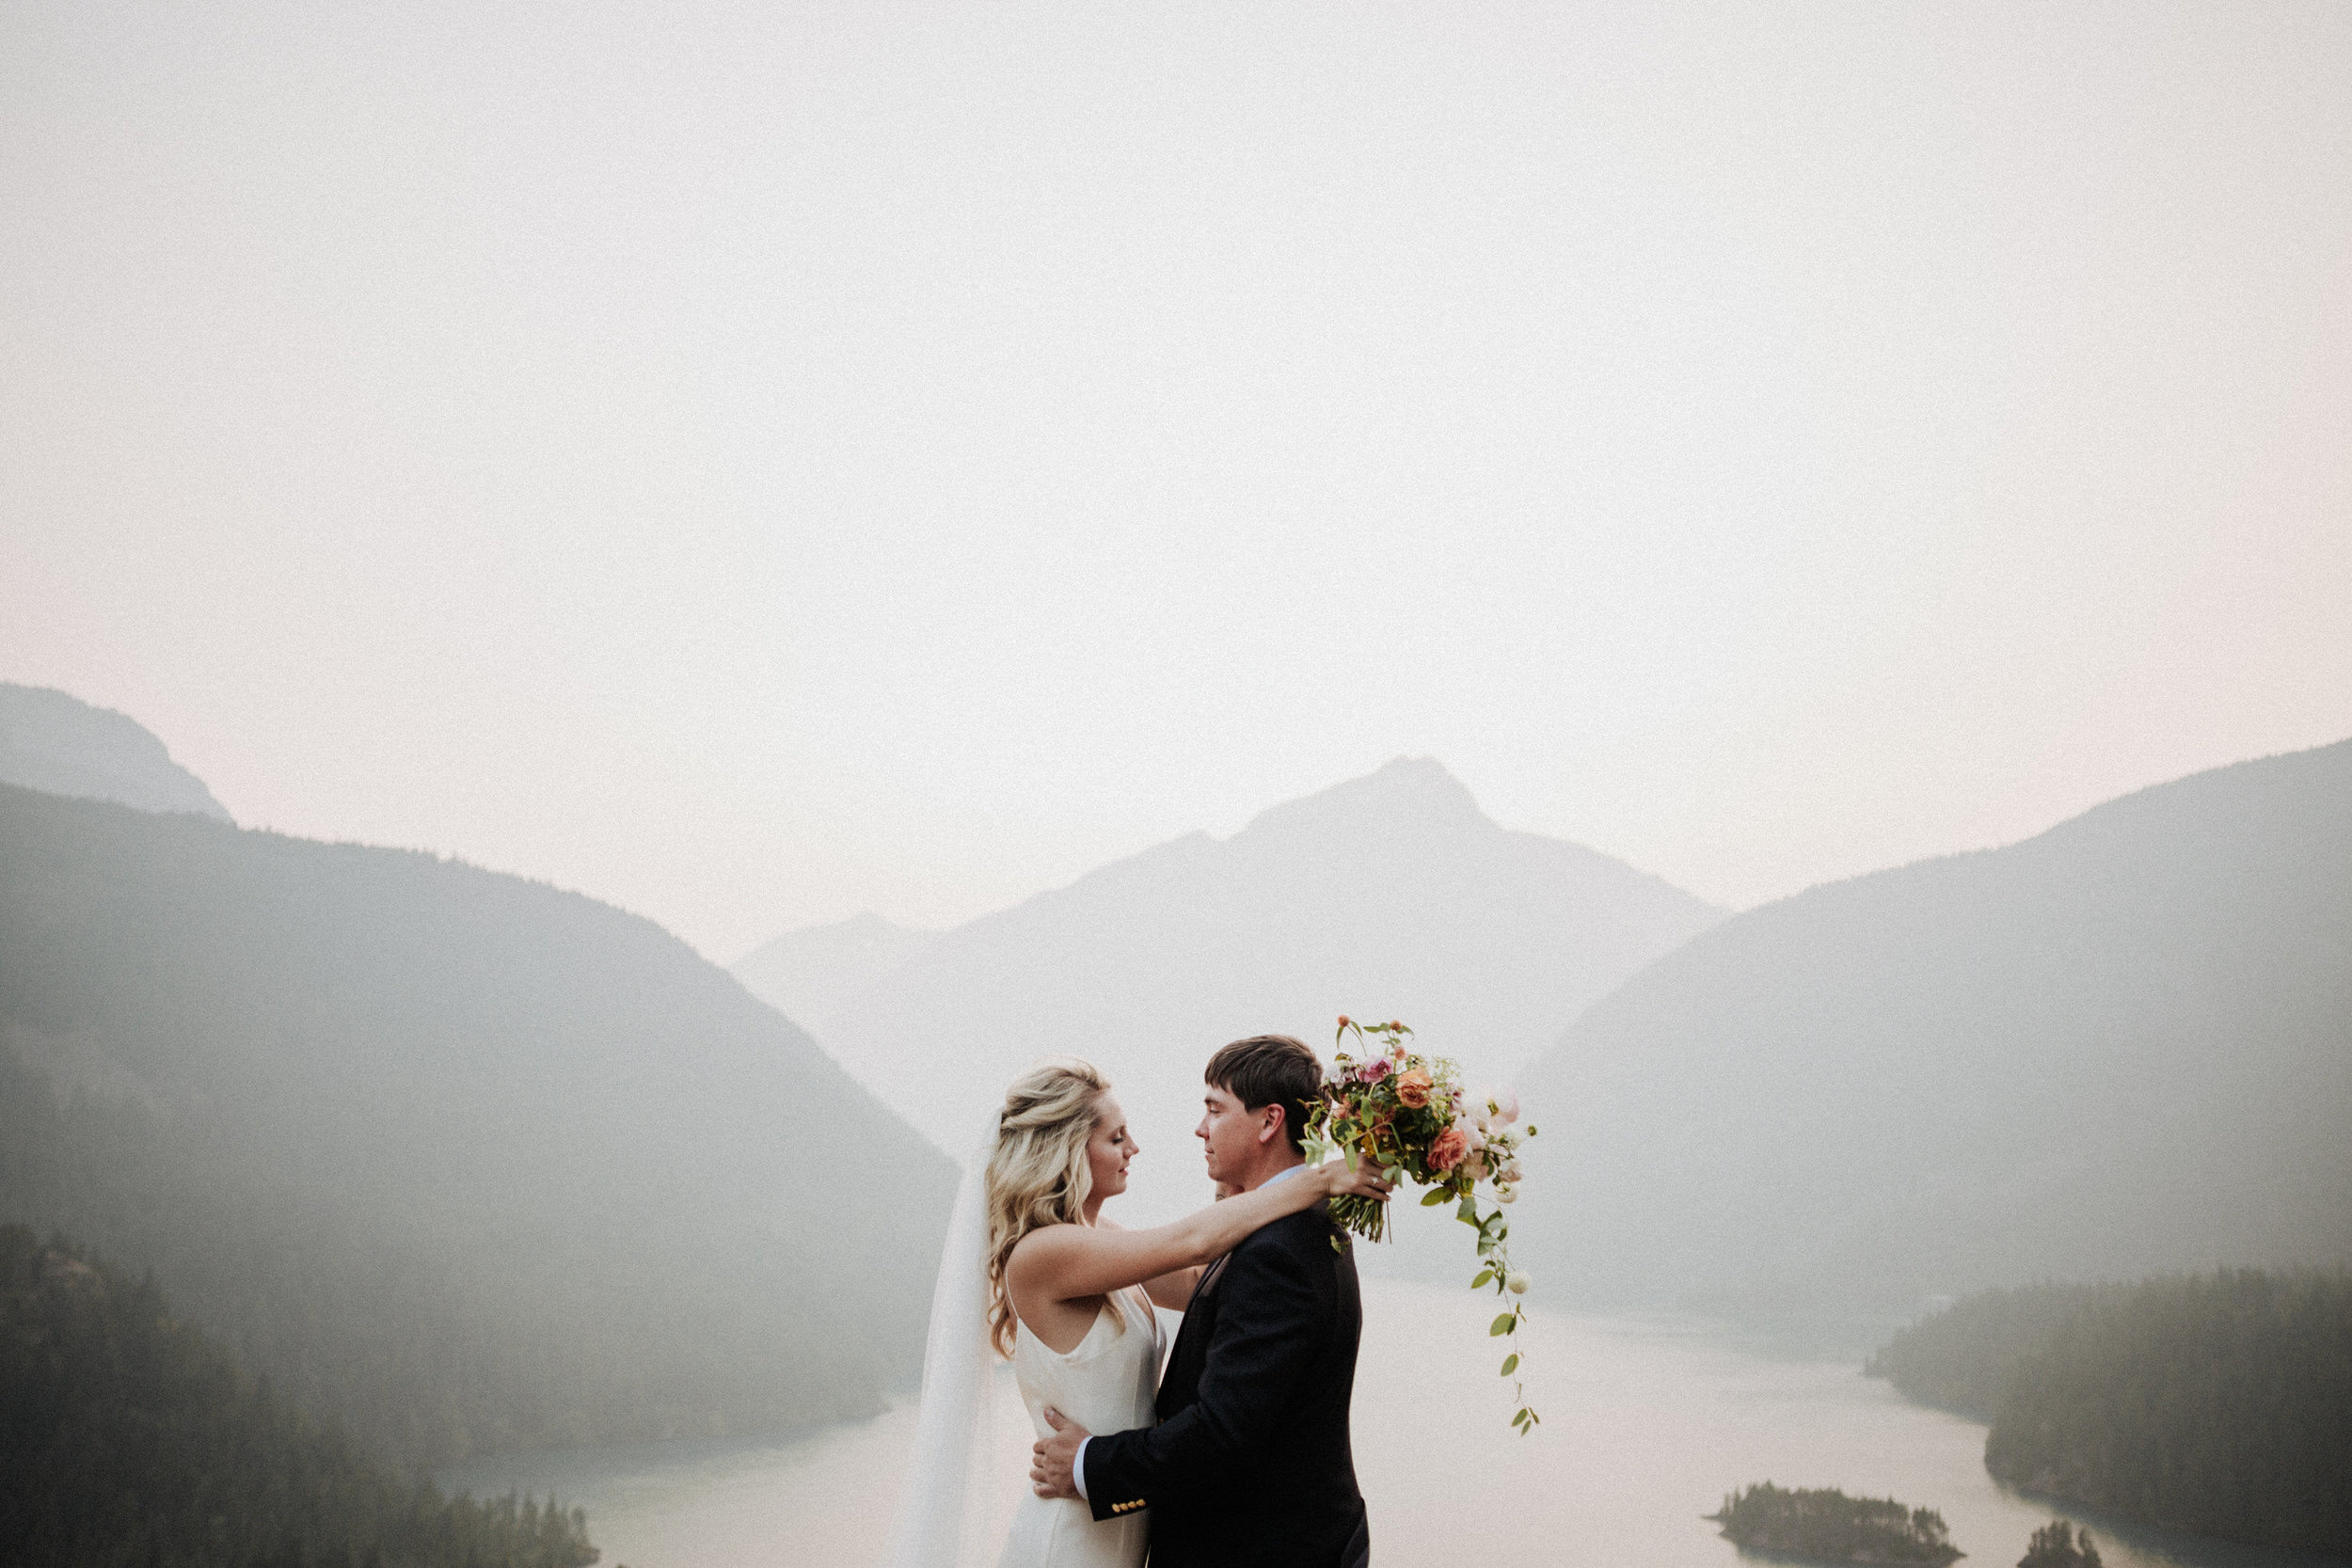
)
(2210, 1403)
(1827, 1526)
(2057, 1545)
(127, 1437)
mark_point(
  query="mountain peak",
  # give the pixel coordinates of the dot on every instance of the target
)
(50, 740)
(865, 924)
(1403, 789)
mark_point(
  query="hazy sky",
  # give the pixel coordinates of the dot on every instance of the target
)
(758, 463)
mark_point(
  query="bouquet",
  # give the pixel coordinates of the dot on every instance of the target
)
(1409, 1116)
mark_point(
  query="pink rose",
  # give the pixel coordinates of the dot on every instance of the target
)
(1446, 1151)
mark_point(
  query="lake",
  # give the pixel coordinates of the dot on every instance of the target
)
(1645, 1426)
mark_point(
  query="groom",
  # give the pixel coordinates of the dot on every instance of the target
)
(1249, 1465)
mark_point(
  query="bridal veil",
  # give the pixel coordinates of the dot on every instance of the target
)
(945, 1508)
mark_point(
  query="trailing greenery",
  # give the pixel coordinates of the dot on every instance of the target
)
(464, 1162)
(1829, 1527)
(2056, 1545)
(2212, 1402)
(129, 1438)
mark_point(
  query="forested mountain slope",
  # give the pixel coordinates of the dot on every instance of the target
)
(2210, 1403)
(1391, 894)
(55, 742)
(468, 1160)
(2120, 1048)
(129, 1437)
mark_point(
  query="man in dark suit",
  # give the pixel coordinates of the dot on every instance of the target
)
(1251, 1463)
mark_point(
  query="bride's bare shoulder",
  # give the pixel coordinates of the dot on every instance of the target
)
(1043, 1242)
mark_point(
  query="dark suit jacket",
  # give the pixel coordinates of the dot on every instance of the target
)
(1251, 1463)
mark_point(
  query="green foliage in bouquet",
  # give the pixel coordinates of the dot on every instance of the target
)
(1411, 1116)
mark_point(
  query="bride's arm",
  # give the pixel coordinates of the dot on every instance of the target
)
(1070, 1263)
(1172, 1290)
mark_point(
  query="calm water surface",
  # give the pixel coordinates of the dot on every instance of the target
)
(1644, 1428)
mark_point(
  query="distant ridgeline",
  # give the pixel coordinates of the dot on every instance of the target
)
(129, 1438)
(58, 742)
(2220, 1403)
(468, 1162)
(1393, 893)
(1827, 1526)
(2115, 1049)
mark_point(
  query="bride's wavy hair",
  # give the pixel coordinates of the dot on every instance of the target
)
(1037, 1170)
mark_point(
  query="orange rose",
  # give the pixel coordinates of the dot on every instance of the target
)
(1447, 1150)
(1412, 1087)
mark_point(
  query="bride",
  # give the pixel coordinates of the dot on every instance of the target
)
(1033, 1273)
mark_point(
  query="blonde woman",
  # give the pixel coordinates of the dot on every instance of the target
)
(1067, 1297)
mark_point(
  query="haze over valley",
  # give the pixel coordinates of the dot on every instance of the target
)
(464, 1160)
(1390, 894)
(472, 1168)
(611, 616)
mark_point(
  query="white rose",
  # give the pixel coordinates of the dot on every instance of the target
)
(1506, 1194)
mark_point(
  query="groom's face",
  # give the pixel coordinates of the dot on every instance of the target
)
(1231, 1136)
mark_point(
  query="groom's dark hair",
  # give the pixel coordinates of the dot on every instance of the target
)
(1271, 1069)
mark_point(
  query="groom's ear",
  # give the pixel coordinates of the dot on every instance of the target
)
(1271, 1128)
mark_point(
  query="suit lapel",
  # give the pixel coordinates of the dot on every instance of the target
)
(1192, 1344)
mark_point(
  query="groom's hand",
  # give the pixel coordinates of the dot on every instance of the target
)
(1051, 1459)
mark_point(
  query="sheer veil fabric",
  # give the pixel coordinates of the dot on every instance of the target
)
(942, 1514)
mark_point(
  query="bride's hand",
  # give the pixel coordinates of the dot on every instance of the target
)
(1363, 1180)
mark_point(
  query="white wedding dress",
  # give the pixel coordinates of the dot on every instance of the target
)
(960, 1473)
(1107, 1383)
